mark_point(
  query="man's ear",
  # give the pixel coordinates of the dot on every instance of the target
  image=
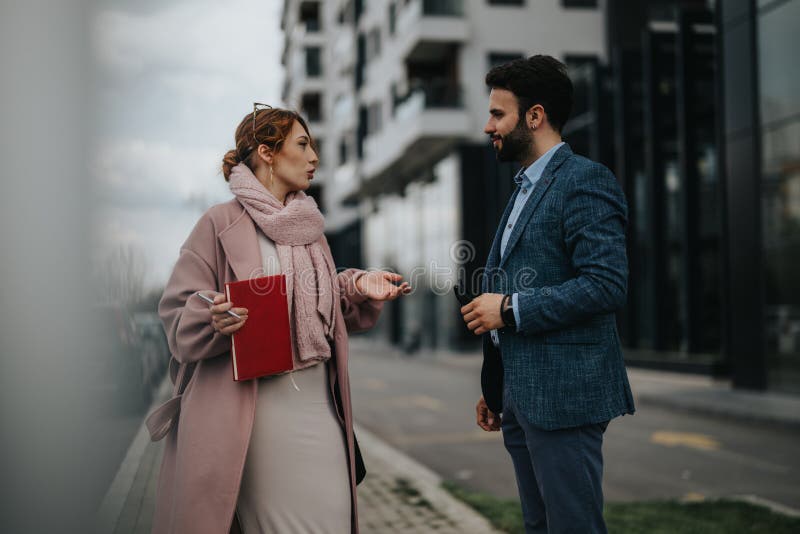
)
(534, 116)
(530, 117)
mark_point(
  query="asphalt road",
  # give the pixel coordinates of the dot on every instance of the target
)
(424, 405)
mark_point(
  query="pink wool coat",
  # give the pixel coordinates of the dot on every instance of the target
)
(205, 452)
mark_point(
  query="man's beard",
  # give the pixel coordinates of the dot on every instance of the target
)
(516, 145)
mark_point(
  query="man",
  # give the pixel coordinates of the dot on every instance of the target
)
(555, 275)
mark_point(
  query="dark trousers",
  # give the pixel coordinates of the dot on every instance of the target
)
(559, 474)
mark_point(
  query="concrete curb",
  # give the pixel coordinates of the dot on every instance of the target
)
(766, 503)
(427, 482)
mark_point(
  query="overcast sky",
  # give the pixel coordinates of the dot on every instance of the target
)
(174, 78)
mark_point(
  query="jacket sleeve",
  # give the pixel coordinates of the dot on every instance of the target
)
(186, 317)
(360, 313)
(595, 217)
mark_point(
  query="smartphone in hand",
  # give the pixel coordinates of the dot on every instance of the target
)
(463, 293)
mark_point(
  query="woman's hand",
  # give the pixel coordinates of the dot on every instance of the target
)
(221, 321)
(381, 285)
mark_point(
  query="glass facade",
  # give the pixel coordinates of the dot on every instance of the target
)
(779, 109)
(664, 153)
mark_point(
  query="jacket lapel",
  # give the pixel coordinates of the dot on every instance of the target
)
(538, 192)
(494, 252)
(240, 243)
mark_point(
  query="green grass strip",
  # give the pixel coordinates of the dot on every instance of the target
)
(650, 517)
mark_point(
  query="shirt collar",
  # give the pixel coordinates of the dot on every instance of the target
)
(535, 169)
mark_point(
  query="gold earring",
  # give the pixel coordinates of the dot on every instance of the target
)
(271, 181)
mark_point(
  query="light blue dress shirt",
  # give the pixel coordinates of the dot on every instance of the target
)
(526, 180)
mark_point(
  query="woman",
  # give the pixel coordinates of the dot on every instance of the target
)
(275, 454)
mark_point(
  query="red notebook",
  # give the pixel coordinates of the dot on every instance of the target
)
(263, 345)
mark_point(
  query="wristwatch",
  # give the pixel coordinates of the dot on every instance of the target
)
(507, 313)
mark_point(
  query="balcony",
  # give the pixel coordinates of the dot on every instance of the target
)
(304, 71)
(344, 112)
(345, 182)
(303, 34)
(344, 54)
(427, 123)
(434, 94)
(425, 25)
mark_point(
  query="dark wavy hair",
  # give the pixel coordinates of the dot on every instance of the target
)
(540, 80)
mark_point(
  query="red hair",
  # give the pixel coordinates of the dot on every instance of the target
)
(272, 127)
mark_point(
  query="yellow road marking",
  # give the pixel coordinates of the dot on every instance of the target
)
(419, 401)
(685, 439)
(374, 384)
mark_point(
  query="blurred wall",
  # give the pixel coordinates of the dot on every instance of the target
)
(46, 410)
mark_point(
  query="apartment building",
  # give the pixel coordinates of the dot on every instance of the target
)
(394, 91)
(690, 102)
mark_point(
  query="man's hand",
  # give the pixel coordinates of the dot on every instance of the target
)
(487, 420)
(483, 313)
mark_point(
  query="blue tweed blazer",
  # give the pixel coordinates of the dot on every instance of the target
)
(566, 257)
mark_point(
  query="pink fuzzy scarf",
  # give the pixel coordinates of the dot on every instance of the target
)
(296, 228)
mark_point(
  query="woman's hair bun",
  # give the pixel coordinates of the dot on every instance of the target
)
(229, 161)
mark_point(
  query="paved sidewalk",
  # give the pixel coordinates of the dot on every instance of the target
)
(401, 495)
(398, 495)
(706, 396)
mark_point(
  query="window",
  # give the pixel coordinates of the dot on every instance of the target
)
(315, 192)
(392, 18)
(344, 151)
(347, 13)
(780, 82)
(309, 15)
(312, 106)
(447, 8)
(313, 61)
(318, 146)
(361, 133)
(576, 61)
(780, 191)
(358, 10)
(579, 3)
(345, 148)
(373, 44)
(394, 97)
(361, 59)
(374, 118)
(499, 58)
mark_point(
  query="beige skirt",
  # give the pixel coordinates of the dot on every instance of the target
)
(295, 475)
